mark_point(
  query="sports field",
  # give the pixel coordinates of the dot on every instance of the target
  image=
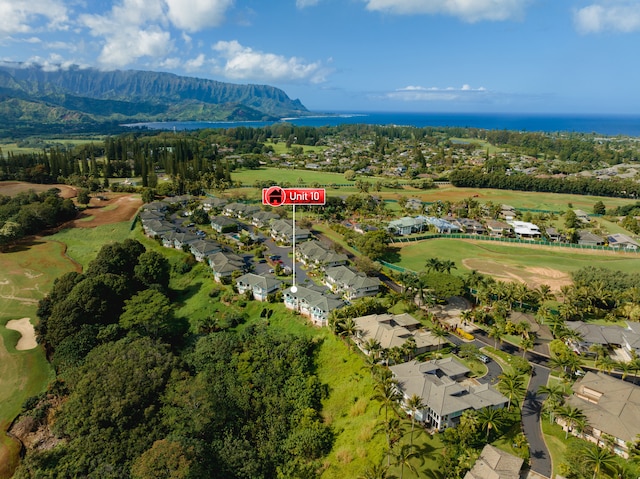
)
(533, 265)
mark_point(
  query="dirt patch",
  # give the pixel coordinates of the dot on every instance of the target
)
(28, 335)
(12, 188)
(533, 277)
(113, 208)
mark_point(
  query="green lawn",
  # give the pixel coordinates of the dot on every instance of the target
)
(83, 244)
(413, 256)
(281, 147)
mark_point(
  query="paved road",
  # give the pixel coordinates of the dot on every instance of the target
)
(540, 457)
(538, 451)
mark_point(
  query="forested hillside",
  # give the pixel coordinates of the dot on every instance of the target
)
(136, 393)
(30, 94)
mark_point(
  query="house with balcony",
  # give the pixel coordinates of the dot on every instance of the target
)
(351, 284)
(470, 226)
(315, 255)
(394, 330)
(442, 226)
(282, 232)
(224, 224)
(240, 210)
(407, 225)
(155, 228)
(312, 302)
(612, 410)
(259, 286)
(445, 390)
(202, 249)
(499, 229)
(262, 219)
(213, 204)
(224, 264)
(525, 230)
(588, 238)
(622, 242)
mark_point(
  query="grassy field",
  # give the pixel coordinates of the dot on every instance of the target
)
(281, 147)
(412, 256)
(518, 199)
(26, 274)
(84, 243)
(288, 175)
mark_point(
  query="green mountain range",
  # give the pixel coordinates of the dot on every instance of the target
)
(76, 96)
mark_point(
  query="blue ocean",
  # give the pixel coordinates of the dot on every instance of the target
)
(608, 125)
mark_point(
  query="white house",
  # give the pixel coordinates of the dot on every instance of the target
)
(260, 286)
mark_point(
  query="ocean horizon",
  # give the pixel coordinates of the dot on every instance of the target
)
(606, 125)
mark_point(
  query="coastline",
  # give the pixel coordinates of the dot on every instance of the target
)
(599, 125)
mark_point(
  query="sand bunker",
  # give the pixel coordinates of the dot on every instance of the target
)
(28, 334)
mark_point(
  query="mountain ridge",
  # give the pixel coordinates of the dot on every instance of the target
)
(88, 95)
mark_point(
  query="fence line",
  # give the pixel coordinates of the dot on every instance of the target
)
(413, 239)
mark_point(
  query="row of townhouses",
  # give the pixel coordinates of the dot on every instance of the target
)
(342, 283)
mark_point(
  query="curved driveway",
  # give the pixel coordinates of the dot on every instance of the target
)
(532, 406)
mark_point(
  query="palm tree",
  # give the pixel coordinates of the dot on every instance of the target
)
(597, 459)
(387, 393)
(526, 344)
(512, 386)
(555, 322)
(554, 399)
(348, 329)
(433, 264)
(404, 457)
(409, 347)
(393, 431)
(372, 347)
(374, 471)
(600, 350)
(447, 265)
(543, 292)
(605, 364)
(573, 417)
(497, 333)
(415, 404)
(440, 333)
(490, 418)
(625, 368)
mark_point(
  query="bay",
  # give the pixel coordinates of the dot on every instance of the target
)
(607, 125)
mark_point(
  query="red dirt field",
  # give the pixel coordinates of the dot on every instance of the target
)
(11, 188)
(115, 208)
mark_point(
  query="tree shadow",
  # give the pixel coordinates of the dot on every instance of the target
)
(182, 295)
(392, 255)
(22, 245)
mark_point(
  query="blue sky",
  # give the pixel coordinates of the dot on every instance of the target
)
(539, 56)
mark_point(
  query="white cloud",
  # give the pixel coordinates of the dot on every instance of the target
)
(20, 16)
(242, 63)
(131, 30)
(419, 93)
(194, 15)
(195, 64)
(467, 10)
(612, 15)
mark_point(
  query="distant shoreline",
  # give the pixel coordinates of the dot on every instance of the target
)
(605, 125)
